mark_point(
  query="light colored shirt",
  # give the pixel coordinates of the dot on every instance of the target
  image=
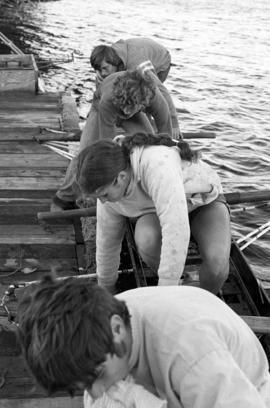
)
(125, 394)
(164, 184)
(194, 351)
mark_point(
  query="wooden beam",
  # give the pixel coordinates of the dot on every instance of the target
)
(247, 196)
(259, 324)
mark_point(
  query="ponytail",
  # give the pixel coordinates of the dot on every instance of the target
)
(161, 139)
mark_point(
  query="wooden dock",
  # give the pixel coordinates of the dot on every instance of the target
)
(30, 174)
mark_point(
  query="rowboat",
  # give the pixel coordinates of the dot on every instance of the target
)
(34, 241)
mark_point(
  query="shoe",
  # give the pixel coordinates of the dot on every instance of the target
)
(62, 205)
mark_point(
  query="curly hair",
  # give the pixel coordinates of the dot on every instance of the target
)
(65, 333)
(105, 53)
(133, 88)
(100, 163)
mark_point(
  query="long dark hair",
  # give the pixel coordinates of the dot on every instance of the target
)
(100, 163)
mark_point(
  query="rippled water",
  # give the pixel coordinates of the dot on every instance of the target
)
(220, 77)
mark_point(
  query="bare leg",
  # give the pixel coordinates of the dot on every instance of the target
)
(211, 229)
(148, 240)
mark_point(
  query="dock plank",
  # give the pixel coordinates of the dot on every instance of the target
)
(13, 133)
(34, 172)
(29, 183)
(51, 160)
(33, 234)
(26, 147)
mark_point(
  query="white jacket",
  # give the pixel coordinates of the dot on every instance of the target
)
(163, 183)
(194, 351)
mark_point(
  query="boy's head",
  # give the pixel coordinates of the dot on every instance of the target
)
(132, 92)
(70, 330)
(105, 60)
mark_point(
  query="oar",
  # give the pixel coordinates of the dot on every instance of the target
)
(69, 215)
(199, 135)
(75, 136)
(249, 207)
(254, 235)
(10, 44)
(247, 196)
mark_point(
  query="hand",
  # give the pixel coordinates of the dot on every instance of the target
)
(109, 288)
(176, 134)
(99, 78)
(134, 396)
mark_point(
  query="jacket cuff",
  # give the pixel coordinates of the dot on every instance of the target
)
(168, 282)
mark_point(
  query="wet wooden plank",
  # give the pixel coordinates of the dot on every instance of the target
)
(37, 251)
(50, 160)
(29, 183)
(23, 79)
(38, 266)
(19, 193)
(26, 147)
(31, 121)
(34, 172)
(22, 212)
(10, 132)
(33, 234)
(20, 384)
(56, 402)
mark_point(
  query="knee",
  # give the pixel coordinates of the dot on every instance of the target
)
(214, 272)
(148, 240)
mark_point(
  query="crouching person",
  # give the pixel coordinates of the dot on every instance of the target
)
(181, 343)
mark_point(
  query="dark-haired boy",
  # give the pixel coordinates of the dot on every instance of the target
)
(181, 343)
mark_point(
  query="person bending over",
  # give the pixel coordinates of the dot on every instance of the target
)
(136, 53)
(158, 182)
(180, 342)
(124, 99)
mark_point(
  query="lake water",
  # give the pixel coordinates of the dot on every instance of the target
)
(219, 80)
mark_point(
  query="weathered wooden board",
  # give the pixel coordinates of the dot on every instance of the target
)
(22, 212)
(33, 234)
(27, 147)
(25, 120)
(28, 194)
(50, 160)
(28, 99)
(11, 132)
(37, 265)
(56, 402)
(37, 250)
(29, 183)
(34, 172)
(18, 73)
